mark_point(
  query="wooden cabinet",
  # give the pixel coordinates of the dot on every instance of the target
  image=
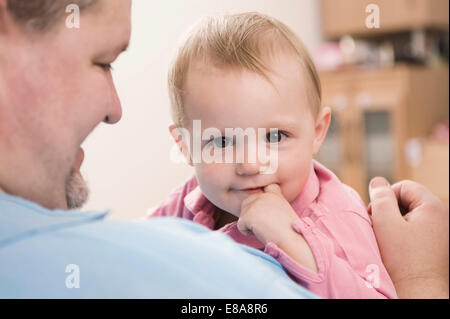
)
(341, 17)
(375, 113)
(431, 167)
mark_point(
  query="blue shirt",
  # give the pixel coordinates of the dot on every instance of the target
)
(72, 254)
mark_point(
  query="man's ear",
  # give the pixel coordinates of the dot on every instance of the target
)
(322, 123)
(182, 141)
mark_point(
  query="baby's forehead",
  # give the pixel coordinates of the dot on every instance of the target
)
(283, 80)
(233, 96)
(225, 86)
(284, 64)
(245, 112)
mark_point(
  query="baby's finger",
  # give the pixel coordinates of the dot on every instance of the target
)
(242, 227)
(248, 200)
(273, 188)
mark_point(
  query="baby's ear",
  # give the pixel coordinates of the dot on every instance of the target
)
(182, 141)
(322, 123)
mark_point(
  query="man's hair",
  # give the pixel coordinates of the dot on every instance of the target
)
(243, 41)
(40, 15)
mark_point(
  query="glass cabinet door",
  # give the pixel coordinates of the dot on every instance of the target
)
(378, 144)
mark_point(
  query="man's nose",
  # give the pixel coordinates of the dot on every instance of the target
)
(114, 110)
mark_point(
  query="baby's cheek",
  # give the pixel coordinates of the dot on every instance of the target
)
(215, 181)
(212, 177)
(292, 174)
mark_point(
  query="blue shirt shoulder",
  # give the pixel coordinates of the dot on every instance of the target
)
(73, 254)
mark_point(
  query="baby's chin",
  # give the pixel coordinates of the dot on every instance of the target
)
(233, 210)
(232, 203)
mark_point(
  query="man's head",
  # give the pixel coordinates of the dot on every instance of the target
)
(42, 15)
(55, 88)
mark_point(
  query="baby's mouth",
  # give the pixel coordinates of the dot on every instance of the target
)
(251, 190)
(254, 190)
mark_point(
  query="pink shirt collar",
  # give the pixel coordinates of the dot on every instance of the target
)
(204, 211)
(309, 193)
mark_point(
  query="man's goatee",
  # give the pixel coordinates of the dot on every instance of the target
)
(77, 191)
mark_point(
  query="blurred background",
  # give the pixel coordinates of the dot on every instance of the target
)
(384, 73)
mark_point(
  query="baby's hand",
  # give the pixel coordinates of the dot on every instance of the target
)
(267, 215)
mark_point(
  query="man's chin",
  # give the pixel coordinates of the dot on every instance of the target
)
(77, 191)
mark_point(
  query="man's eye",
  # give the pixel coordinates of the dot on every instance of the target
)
(275, 136)
(106, 67)
(222, 142)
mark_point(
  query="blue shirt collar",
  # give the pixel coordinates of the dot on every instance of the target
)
(20, 218)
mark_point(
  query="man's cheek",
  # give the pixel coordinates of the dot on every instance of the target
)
(92, 91)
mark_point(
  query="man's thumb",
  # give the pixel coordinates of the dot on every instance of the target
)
(384, 204)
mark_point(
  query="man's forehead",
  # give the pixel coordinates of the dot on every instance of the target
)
(111, 21)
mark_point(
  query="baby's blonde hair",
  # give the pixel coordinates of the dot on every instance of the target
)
(244, 41)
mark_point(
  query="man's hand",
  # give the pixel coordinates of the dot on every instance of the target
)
(414, 247)
(269, 216)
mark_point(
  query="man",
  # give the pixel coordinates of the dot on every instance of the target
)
(55, 88)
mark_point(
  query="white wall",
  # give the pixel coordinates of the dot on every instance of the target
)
(127, 165)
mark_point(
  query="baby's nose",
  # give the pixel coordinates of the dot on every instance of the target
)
(254, 158)
(247, 168)
(249, 164)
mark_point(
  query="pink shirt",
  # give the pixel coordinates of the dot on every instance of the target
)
(335, 224)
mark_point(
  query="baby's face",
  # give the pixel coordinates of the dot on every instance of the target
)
(227, 98)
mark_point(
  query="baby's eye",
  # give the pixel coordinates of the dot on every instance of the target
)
(222, 142)
(275, 136)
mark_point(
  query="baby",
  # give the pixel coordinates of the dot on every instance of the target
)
(250, 71)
